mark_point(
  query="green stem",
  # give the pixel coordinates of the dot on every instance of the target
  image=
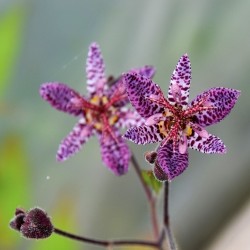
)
(170, 237)
(150, 197)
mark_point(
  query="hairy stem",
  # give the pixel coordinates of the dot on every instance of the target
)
(150, 197)
(106, 243)
(170, 237)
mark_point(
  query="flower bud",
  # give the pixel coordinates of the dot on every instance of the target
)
(150, 157)
(34, 224)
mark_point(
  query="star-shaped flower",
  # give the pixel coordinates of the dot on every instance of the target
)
(102, 113)
(173, 121)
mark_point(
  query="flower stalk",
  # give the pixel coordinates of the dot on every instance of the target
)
(150, 197)
(171, 241)
(107, 243)
(36, 224)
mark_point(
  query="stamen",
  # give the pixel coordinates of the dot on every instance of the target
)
(80, 102)
(163, 128)
(104, 100)
(188, 130)
(98, 126)
(95, 100)
(107, 130)
(113, 119)
(173, 135)
(119, 95)
(198, 107)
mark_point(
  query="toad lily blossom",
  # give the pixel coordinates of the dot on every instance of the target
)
(173, 121)
(101, 113)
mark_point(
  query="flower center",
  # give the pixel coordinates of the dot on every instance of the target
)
(176, 122)
(104, 115)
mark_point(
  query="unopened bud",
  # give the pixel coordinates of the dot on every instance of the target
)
(150, 157)
(34, 224)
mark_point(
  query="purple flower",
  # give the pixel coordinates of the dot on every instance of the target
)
(173, 121)
(102, 113)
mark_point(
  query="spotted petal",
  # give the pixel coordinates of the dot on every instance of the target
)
(139, 89)
(115, 153)
(144, 134)
(118, 91)
(180, 82)
(95, 70)
(61, 97)
(209, 145)
(221, 99)
(73, 142)
(147, 71)
(172, 162)
(129, 118)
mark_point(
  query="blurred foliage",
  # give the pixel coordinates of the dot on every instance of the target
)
(63, 217)
(14, 185)
(11, 28)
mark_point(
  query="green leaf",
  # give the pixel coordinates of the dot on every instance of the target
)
(11, 30)
(151, 181)
(14, 185)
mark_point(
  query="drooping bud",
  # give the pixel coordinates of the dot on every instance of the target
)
(159, 173)
(150, 157)
(34, 224)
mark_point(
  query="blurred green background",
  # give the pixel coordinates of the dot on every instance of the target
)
(47, 40)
